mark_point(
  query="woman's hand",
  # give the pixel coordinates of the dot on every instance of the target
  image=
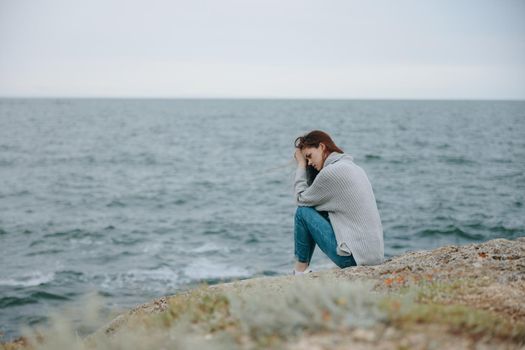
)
(299, 157)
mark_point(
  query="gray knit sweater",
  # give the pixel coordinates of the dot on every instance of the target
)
(342, 189)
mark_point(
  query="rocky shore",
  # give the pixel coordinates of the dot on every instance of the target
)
(461, 297)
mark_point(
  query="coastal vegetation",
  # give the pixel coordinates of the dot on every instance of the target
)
(452, 296)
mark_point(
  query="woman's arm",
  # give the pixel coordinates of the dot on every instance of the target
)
(319, 192)
(299, 158)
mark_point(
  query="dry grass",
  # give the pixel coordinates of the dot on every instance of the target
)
(208, 318)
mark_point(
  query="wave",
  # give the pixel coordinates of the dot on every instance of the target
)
(6, 302)
(28, 280)
(74, 233)
(215, 231)
(398, 246)
(501, 229)
(45, 252)
(116, 204)
(157, 280)
(205, 269)
(15, 194)
(372, 157)
(128, 241)
(210, 247)
(451, 230)
(510, 231)
(33, 298)
(48, 296)
(456, 160)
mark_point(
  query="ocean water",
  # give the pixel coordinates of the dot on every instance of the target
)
(135, 199)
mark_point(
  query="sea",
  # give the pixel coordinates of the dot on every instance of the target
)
(134, 199)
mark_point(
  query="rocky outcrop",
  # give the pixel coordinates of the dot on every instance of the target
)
(487, 276)
(461, 297)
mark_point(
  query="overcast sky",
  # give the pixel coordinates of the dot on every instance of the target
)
(288, 48)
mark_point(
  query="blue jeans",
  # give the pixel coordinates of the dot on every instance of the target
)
(313, 227)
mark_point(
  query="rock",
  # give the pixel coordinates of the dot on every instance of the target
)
(499, 264)
(364, 335)
(487, 277)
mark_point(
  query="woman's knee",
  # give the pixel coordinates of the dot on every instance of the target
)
(301, 212)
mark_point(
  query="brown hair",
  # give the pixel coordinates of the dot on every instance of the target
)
(314, 138)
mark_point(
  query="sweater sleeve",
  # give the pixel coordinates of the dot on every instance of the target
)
(318, 193)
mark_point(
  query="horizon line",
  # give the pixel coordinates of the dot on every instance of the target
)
(263, 98)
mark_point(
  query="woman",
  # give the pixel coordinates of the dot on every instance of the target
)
(337, 209)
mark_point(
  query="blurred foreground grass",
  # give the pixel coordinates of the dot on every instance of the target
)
(283, 316)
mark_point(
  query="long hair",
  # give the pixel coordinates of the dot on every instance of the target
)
(313, 139)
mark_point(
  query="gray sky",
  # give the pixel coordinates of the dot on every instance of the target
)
(242, 48)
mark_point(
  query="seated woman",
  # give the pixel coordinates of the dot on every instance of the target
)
(336, 209)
